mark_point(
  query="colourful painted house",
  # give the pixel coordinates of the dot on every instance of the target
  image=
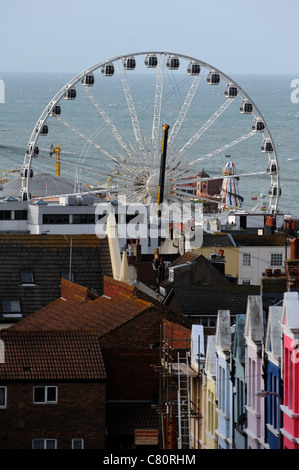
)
(290, 371)
(224, 385)
(210, 397)
(238, 378)
(254, 336)
(272, 364)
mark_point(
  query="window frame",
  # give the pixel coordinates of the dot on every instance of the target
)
(27, 271)
(79, 439)
(4, 406)
(275, 265)
(44, 441)
(247, 253)
(9, 313)
(46, 400)
(246, 282)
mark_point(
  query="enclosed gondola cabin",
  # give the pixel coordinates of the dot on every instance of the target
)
(267, 146)
(172, 62)
(129, 63)
(258, 125)
(230, 91)
(44, 130)
(213, 78)
(274, 190)
(88, 80)
(70, 94)
(107, 70)
(56, 110)
(24, 173)
(272, 168)
(151, 61)
(193, 68)
(246, 107)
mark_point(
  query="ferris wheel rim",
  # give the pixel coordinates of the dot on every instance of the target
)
(77, 78)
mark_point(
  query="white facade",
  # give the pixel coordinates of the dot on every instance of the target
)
(254, 260)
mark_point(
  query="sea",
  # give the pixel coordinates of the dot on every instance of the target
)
(27, 95)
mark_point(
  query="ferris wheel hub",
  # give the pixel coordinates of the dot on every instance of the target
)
(152, 186)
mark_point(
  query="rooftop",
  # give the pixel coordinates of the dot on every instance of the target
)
(51, 355)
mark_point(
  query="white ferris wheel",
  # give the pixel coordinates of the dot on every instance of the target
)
(109, 121)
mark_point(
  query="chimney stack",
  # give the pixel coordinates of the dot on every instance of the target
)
(292, 267)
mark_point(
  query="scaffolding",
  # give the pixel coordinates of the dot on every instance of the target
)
(175, 406)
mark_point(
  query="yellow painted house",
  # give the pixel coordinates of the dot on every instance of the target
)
(221, 244)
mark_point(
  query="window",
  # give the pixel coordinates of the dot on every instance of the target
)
(274, 402)
(5, 215)
(276, 259)
(27, 276)
(246, 259)
(3, 397)
(44, 444)
(78, 443)
(21, 215)
(221, 389)
(83, 219)
(11, 308)
(55, 219)
(47, 394)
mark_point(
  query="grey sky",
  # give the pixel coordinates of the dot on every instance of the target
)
(236, 36)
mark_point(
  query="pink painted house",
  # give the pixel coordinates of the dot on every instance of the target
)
(290, 371)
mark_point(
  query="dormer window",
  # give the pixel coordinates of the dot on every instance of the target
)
(27, 277)
(11, 308)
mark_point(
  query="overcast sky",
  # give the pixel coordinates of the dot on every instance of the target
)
(235, 36)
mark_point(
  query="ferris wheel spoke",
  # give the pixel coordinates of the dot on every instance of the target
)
(223, 148)
(94, 170)
(140, 140)
(182, 114)
(120, 161)
(200, 180)
(202, 130)
(122, 142)
(156, 127)
(87, 139)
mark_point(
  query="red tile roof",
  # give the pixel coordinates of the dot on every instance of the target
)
(51, 355)
(77, 313)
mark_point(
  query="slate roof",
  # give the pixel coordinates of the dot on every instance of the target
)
(253, 239)
(48, 256)
(51, 355)
(217, 239)
(207, 300)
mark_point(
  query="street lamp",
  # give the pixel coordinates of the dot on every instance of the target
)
(264, 394)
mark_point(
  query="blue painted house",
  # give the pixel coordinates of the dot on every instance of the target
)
(273, 381)
(239, 385)
(224, 385)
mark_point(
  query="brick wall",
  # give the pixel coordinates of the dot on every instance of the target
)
(113, 287)
(142, 331)
(80, 413)
(131, 374)
(292, 274)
